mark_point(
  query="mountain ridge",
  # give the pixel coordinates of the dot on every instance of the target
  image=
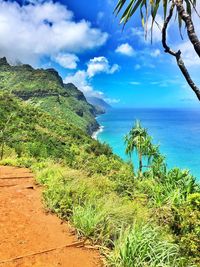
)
(46, 89)
(99, 103)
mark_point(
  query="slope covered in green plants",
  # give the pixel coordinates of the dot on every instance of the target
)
(150, 218)
(46, 89)
(29, 131)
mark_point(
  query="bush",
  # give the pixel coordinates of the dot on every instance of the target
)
(186, 226)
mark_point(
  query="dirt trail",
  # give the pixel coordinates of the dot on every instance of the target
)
(26, 229)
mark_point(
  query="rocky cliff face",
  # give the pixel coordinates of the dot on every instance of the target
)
(99, 103)
(45, 88)
(74, 92)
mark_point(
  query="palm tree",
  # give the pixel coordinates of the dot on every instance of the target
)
(137, 140)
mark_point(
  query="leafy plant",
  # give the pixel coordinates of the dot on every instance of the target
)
(142, 245)
(138, 140)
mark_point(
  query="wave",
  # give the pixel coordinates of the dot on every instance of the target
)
(96, 133)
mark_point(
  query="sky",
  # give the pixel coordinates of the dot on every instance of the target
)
(85, 43)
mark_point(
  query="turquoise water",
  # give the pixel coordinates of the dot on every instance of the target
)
(176, 130)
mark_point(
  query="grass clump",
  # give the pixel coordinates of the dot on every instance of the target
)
(142, 245)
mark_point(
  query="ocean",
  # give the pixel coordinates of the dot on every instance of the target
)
(177, 131)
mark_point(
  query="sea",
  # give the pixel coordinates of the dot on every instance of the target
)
(177, 131)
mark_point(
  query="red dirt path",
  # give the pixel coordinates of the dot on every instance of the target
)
(26, 229)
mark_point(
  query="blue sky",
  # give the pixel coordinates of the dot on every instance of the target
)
(85, 43)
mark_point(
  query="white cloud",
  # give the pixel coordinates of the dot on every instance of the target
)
(68, 61)
(100, 64)
(29, 32)
(114, 68)
(125, 49)
(138, 33)
(156, 31)
(82, 78)
(155, 53)
(189, 55)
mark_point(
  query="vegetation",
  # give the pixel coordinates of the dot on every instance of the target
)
(45, 89)
(139, 140)
(28, 131)
(153, 223)
(148, 10)
(142, 245)
(150, 219)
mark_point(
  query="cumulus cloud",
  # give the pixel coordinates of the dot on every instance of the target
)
(125, 49)
(67, 60)
(100, 64)
(82, 78)
(32, 31)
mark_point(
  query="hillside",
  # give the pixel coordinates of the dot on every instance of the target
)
(27, 130)
(46, 89)
(148, 218)
(100, 194)
(99, 103)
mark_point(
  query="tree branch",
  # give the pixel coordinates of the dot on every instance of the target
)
(177, 54)
(189, 25)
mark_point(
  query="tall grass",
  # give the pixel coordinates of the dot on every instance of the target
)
(142, 245)
(19, 162)
(98, 212)
(90, 203)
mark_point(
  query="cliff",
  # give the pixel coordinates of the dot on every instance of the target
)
(45, 89)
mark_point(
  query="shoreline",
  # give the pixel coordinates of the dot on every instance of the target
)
(97, 132)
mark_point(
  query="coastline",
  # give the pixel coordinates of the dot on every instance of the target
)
(97, 132)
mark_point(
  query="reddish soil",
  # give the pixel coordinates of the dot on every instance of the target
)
(26, 229)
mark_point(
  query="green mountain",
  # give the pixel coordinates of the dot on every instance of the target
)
(46, 89)
(27, 130)
(99, 103)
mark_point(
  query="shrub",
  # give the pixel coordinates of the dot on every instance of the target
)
(186, 226)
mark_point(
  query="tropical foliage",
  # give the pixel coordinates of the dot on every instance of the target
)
(151, 219)
(45, 89)
(153, 223)
(138, 140)
(150, 8)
